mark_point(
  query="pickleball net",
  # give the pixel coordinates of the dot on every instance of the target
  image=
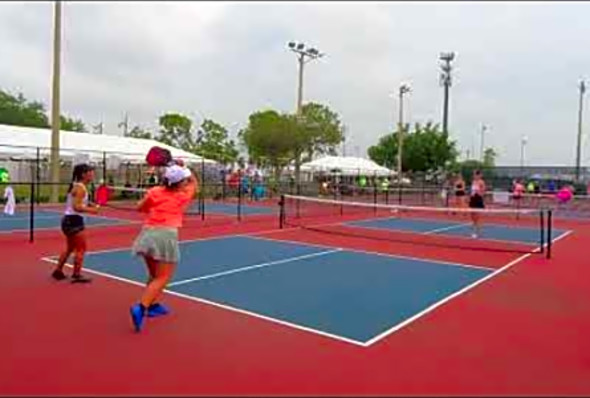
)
(504, 230)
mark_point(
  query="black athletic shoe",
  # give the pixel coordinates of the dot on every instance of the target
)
(58, 275)
(80, 279)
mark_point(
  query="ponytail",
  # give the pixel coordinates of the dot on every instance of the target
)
(78, 174)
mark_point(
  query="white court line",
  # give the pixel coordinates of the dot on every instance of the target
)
(437, 230)
(224, 306)
(251, 267)
(27, 218)
(57, 227)
(454, 295)
(398, 256)
(308, 329)
(228, 235)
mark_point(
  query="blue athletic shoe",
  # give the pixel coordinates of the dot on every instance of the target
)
(137, 316)
(156, 309)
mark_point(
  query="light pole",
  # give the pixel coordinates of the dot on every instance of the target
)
(582, 88)
(445, 80)
(403, 89)
(523, 141)
(125, 124)
(481, 146)
(55, 103)
(304, 55)
(343, 140)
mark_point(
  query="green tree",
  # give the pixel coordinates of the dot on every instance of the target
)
(138, 132)
(321, 130)
(213, 143)
(17, 111)
(176, 130)
(467, 167)
(489, 158)
(425, 149)
(269, 139)
(71, 124)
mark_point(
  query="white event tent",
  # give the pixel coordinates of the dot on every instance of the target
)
(21, 143)
(347, 166)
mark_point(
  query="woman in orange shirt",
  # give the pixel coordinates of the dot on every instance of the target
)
(158, 241)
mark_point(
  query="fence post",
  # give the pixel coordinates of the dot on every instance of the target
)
(542, 222)
(202, 190)
(282, 212)
(38, 173)
(549, 237)
(240, 188)
(104, 166)
(32, 213)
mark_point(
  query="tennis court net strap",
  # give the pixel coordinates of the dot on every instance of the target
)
(444, 226)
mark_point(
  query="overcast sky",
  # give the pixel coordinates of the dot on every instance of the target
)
(516, 70)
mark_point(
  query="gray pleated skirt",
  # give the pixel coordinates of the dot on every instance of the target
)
(160, 243)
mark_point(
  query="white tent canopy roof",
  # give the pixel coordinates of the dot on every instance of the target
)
(22, 142)
(346, 165)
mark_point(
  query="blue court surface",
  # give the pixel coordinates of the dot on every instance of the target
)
(347, 295)
(232, 209)
(46, 219)
(506, 233)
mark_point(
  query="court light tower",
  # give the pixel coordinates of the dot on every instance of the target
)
(446, 81)
(582, 88)
(55, 102)
(403, 89)
(304, 55)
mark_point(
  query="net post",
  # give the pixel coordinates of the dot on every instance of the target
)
(282, 212)
(542, 222)
(32, 213)
(549, 237)
(399, 191)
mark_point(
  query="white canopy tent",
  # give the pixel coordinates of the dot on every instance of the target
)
(21, 143)
(347, 166)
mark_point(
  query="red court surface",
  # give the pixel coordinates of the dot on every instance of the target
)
(524, 331)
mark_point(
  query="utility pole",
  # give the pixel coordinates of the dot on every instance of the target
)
(55, 103)
(582, 88)
(403, 89)
(99, 128)
(481, 147)
(523, 142)
(445, 80)
(124, 124)
(343, 140)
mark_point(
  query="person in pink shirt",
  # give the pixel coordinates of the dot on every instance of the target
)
(565, 194)
(158, 241)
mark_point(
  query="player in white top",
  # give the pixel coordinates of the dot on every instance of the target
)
(73, 223)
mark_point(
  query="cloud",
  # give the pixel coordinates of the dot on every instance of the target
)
(516, 69)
